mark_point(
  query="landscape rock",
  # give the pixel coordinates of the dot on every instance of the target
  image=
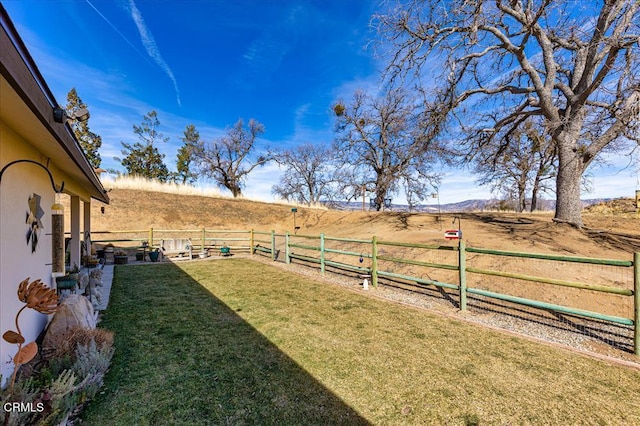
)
(74, 311)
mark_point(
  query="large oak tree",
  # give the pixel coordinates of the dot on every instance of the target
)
(309, 175)
(384, 144)
(228, 160)
(519, 167)
(575, 64)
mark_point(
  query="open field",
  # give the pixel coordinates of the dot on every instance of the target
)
(232, 341)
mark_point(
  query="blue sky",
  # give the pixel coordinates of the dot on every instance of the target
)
(209, 63)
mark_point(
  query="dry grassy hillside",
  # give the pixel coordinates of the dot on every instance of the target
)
(605, 234)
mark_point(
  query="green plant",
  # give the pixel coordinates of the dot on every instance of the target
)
(92, 362)
(80, 383)
(67, 376)
(62, 400)
(25, 391)
(40, 298)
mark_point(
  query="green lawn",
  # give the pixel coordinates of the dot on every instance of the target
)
(238, 342)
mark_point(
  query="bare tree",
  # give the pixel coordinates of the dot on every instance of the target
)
(383, 142)
(506, 173)
(545, 168)
(309, 174)
(227, 160)
(520, 167)
(511, 60)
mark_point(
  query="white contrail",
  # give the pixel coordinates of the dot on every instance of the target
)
(118, 31)
(150, 45)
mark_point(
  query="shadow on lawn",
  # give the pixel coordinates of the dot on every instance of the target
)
(184, 357)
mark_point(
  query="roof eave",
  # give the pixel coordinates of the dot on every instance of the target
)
(20, 71)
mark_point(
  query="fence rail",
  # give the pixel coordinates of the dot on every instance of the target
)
(315, 249)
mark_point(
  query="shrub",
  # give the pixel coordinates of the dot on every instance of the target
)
(64, 345)
(65, 377)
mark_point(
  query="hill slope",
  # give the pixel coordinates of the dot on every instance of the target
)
(605, 235)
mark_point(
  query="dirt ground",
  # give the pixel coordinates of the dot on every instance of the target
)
(614, 236)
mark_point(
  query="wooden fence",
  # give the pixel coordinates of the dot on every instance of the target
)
(371, 258)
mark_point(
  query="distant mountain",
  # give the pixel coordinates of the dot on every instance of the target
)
(462, 206)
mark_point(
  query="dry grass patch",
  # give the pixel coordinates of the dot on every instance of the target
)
(153, 185)
(138, 183)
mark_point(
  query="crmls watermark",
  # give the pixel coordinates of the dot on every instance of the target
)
(23, 407)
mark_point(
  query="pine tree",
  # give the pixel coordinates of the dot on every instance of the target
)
(143, 158)
(186, 153)
(89, 141)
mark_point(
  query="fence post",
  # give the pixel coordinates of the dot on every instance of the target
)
(322, 266)
(287, 251)
(636, 303)
(374, 261)
(273, 245)
(251, 250)
(204, 239)
(150, 237)
(462, 273)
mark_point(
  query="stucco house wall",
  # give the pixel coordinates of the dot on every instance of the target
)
(30, 134)
(17, 262)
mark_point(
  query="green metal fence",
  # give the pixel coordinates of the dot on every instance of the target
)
(318, 244)
(371, 258)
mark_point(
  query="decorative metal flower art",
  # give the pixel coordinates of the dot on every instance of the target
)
(34, 216)
(41, 298)
(38, 296)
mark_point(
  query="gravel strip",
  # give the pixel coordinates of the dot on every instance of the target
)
(593, 337)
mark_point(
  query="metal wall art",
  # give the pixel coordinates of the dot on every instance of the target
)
(34, 216)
